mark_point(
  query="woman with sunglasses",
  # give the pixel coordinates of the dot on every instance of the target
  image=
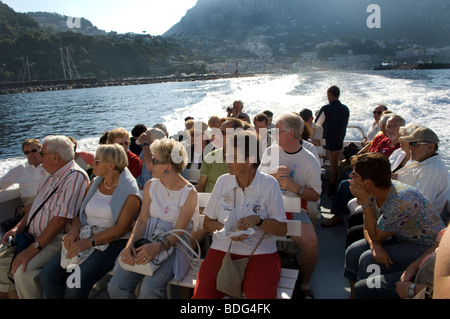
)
(169, 202)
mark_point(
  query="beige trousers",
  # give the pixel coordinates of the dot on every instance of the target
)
(27, 283)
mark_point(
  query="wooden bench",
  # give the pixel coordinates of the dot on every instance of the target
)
(288, 277)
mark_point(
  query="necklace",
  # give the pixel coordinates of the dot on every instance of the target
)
(109, 187)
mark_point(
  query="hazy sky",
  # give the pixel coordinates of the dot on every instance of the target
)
(153, 16)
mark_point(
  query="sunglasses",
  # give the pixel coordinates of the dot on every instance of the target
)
(31, 151)
(377, 112)
(418, 143)
(156, 162)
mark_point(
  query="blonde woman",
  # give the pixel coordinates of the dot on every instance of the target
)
(169, 202)
(111, 204)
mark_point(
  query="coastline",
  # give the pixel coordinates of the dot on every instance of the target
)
(57, 85)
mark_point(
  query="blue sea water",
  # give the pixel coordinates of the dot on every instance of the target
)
(421, 96)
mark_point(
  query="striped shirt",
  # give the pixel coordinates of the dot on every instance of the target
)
(72, 182)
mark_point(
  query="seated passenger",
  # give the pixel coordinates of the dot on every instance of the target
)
(137, 130)
(407, 225)
(84, 159)
(263, 212)
(145, 140)
(27, 175)
(122, 137)
(198, 147)
(298, 174)
(214, 164)
(428, 173)
(169, 202)
(417, 278)
(375, 126)
(108, 211)
(386, 146)
(425, 171)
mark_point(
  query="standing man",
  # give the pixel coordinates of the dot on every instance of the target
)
(298, 174)
(333, 117)
(48, 225)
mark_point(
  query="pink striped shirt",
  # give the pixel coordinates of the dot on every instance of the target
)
(65, 202)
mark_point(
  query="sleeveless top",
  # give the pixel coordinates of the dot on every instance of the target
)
(166, 203)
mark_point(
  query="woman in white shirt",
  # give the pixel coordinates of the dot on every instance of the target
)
(243, 199)
(107, 213)
(169, 202)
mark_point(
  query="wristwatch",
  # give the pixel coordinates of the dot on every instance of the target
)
(301, 190)
(261, 220)
(37, 245)
(411, 291)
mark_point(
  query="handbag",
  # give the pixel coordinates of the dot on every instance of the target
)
(231, 273)
(10, 223)
(85, 232)
(149, 268)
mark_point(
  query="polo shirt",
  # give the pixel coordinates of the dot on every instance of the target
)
(228, 203)
(213, 166)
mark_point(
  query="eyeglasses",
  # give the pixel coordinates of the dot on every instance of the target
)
(378, 112)
(418, 143)
(96, 161)
(156, 162)
(31, 151)
(124, 143)
(392, 126)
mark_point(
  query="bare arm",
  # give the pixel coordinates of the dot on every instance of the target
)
(442, 269)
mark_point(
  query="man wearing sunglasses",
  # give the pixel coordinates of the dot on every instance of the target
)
(375, 127)
(27, 175)
(428, 172)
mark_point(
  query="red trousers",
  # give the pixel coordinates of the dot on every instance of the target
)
(260, 281)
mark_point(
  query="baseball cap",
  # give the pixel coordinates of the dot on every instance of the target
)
(421, 133)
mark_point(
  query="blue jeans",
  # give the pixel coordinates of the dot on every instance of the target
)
(343, 196)
(123, 284)
(53, 277)
(359, 258)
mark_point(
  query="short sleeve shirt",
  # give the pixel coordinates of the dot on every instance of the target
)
(229, 201)
(410, 215)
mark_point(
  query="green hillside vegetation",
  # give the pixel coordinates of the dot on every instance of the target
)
(102, 56)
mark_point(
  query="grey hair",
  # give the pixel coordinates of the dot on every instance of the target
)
(61, 145)
(385, 117)
(292, 121)
(408, 129)
(399, 118)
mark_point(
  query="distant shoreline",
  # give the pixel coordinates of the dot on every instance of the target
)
(57, 85)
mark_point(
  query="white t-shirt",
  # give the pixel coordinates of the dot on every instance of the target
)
(261, 197)
(28, 177)
(305, 169)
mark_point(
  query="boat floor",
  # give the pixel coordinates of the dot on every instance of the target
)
(328, 281)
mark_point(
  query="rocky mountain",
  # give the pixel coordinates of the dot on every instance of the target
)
(425, 22)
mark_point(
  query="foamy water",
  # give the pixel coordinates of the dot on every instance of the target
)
(419, 96)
